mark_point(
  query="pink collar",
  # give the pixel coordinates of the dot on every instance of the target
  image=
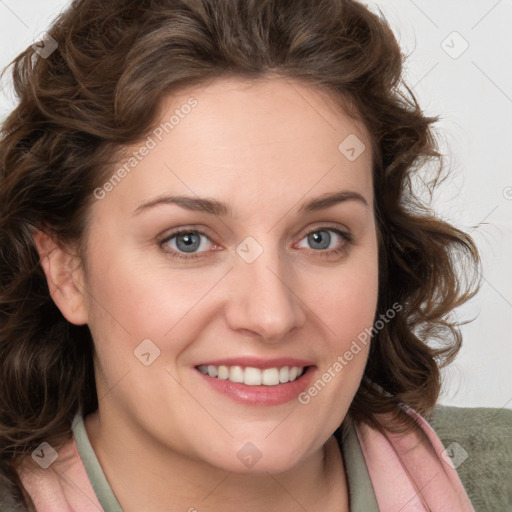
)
(411, 473)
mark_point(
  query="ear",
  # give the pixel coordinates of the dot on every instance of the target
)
(64, 275)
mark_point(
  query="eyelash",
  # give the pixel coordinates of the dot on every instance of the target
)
(321, 253)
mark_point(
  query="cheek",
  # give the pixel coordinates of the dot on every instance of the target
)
(346, 308)
(140, 297)
(346, 299)
(133, 300)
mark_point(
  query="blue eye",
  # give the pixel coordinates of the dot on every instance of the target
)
(320, 239)
(187, 241)
(189, 244)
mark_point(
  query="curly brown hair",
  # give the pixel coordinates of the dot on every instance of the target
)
(100, 90)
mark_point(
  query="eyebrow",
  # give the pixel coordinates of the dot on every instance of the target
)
(218, 208)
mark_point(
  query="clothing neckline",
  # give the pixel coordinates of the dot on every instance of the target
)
(361, 494)
(94, 471)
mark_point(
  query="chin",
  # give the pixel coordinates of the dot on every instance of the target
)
(254, 458)
(263, 466)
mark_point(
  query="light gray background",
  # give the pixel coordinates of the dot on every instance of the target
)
(471, 91)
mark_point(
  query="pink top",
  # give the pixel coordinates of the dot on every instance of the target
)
(62, 487)
(409, 473)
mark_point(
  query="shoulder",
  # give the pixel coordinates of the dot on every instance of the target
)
(48, 476)
(479, 442)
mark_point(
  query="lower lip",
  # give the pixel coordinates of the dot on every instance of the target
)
(261, 395)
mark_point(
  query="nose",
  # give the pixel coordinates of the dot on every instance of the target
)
(265, 298)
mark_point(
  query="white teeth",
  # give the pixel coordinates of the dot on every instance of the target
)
(223, 373)
(270, 377)
(236, 374)
(253, 376)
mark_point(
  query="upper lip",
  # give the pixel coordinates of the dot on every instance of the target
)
(256, 362)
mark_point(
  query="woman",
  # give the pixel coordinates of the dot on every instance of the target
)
(218, 286)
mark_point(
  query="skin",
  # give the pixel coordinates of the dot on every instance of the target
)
(161, 434)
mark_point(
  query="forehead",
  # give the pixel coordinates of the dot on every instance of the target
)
(235, 114)
(250, 140)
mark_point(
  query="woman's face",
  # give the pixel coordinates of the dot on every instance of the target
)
(257, 281)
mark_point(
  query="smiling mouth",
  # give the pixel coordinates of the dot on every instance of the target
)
(251, 376)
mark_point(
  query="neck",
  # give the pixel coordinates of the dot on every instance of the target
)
(147, 476)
